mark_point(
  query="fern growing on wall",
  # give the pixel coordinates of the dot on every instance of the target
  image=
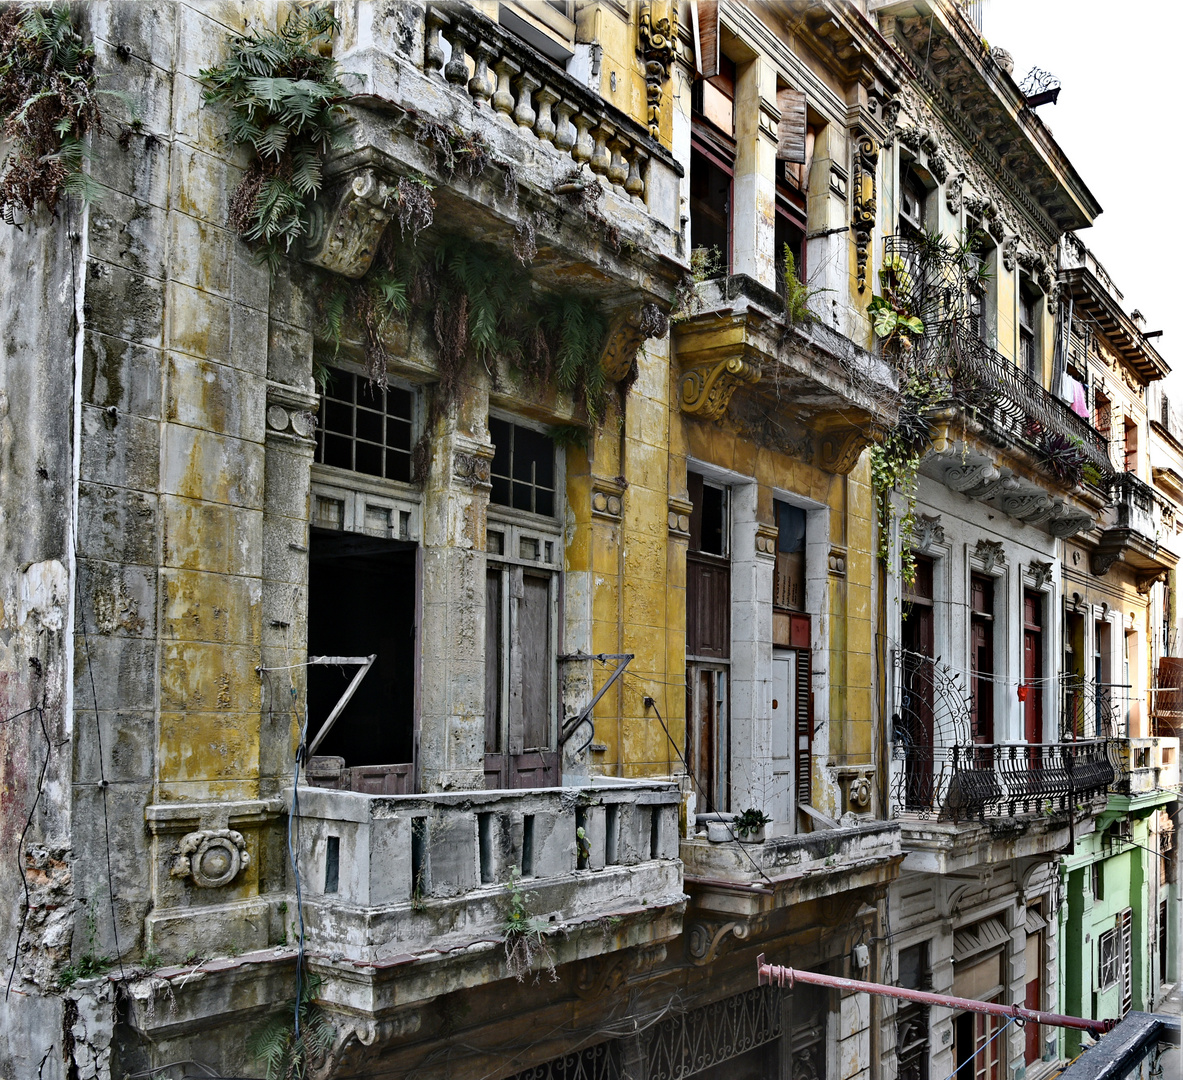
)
(284, 94)
(49, 102)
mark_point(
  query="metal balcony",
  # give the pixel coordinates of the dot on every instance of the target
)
(1091, 709)
(983, 781)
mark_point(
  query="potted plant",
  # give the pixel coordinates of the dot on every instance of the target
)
(749, 826)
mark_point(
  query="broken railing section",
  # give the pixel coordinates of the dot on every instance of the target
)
(585, 714)
(524, 89)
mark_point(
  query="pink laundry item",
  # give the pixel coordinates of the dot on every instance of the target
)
(1080, 404)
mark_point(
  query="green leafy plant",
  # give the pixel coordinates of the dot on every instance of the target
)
(49, 103)
(525, 935)
(286, 1053)
(283, 92)
(706, 263)
(750, 822)
(92, 962)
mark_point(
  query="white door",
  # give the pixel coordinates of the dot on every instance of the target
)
(781, 794)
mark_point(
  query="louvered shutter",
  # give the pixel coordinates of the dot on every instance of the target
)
(803, 724)
(707, 17)
(790, 136)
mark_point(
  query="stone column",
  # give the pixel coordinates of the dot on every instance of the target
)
(452, 629)
(753, 214)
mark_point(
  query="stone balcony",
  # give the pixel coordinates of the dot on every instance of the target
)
(738, 354)
(405, 884)
(738, 880)
(1133, 532)
(1149, 766)
(509, 141)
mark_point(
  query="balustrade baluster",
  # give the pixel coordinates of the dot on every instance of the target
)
(544, 127)
(481, 85)
(456, 69)
(433, 53)
(564, 129)
(524, 114)
(617, 168)
(601, 158)
(584, 147)
(503, 101)
(633, 183)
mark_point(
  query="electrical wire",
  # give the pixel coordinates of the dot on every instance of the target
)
(20, 862)
(983, 1047)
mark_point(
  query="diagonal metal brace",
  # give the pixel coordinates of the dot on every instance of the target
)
(366, 663)
(622, 661)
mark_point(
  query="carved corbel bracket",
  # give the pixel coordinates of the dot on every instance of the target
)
(343, 236)
(704, 939)
(1102, 562)
(836, 562)
(837, 450)
(927, 530)
(706, 391)
(628, 330)
(862, 222)
(970, 475)
(211, 857)
(1070, 522)
(1146, 582)
(953, 192)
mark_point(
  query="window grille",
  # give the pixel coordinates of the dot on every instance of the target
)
(523, 471)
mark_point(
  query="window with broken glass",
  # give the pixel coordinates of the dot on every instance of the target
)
(363, 584)
(522, 585)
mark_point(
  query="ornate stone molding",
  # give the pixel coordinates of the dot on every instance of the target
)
(766, 536)
(1041, 574)
(836, 562)
(628, 330)
(862, 222)
(344, 237)
(211, 857)
(1010, 247)
(678, 518)
(658, 49)
(970, 475)
(1147, 581)
(1069, 522)
(291, 414)
(890, 114)
(927, 530)
(990, 554)
(473, 466)
(953, 192)
(706, 391)
(607, 498)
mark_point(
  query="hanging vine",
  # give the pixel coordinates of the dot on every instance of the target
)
(482, 308)
(284, 95)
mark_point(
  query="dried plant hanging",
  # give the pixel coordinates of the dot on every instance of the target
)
(285, 96)
(49, 101)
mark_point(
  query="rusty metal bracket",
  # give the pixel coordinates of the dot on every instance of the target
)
(366, 663)
(622, 661)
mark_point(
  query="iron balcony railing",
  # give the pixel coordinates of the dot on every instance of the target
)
(939, 288)
(999, 780)
(1091, 709)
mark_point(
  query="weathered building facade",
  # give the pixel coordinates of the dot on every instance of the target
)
(476, 622)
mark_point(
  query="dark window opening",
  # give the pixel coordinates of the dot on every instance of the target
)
(915, 729)
(913, 205)
(711, 171)
(361, 600)
(789, 580)
(789, 233)
(1029, 331)
(365, 429)
(912, 1019)
(708, 518)
(332, 864)
(982, 657)
(1033, 666)
(523, 472)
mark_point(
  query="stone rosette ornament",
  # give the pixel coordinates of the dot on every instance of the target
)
(211, 857)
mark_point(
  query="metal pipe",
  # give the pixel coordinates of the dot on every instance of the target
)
(768, 974)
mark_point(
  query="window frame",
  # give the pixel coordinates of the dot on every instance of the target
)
(415, 419)
(558, 468)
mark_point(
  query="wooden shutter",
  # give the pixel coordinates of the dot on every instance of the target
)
(803, 724)
(706, 13)
(790, 136)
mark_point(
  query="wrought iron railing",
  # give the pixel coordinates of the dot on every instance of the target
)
(1092, 710)
(935, 286)
(996, 780)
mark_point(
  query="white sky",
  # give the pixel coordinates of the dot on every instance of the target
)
(1119, 63)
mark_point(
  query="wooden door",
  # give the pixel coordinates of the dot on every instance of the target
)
(1033, 666)
(917, 696)
(981, 654)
